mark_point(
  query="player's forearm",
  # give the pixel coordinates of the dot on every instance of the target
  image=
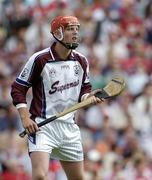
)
(24, 113)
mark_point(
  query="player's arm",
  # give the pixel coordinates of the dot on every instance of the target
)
(18, 92)
(86, 89)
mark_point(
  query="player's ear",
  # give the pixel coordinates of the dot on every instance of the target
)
(58, 34)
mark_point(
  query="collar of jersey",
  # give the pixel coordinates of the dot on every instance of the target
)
(55, 55)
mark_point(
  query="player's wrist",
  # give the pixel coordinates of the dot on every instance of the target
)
(21, 105)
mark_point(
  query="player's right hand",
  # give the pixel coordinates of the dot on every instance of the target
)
(30, 126)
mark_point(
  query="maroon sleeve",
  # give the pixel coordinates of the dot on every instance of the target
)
(18, 93)
(21, 86)
(85, 87)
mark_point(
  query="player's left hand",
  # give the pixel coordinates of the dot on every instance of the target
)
(96, 100)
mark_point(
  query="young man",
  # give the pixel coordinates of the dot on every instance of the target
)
(59, 77)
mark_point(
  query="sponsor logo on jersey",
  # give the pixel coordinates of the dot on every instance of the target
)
(65, 67)
(52, 73)
(24, 73)
(59, 88)
(76, 70)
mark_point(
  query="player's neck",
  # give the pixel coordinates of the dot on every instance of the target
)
(62, 51)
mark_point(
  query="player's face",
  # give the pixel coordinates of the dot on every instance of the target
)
(71, 34)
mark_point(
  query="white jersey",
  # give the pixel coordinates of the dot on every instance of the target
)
(56, 84)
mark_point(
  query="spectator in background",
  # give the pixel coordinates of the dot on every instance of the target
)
(13, 155)
(148, 22)
(93, 165)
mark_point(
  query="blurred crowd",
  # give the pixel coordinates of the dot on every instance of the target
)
(116, 37)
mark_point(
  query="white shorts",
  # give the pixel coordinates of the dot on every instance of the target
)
(59, 138)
